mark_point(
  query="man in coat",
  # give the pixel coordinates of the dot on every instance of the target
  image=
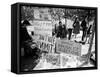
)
(61, 31)
(84, 28)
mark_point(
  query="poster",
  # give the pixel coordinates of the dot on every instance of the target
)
(69, 47)
(46, 43)
(42, 27)
(42, 34)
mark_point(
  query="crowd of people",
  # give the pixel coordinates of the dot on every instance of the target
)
(62, 31)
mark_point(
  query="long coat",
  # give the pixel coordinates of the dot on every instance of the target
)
(24, 36)
(76, 26)
(61, 31)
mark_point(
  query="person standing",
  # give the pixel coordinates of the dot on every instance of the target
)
(64, 31)
(30, 53)
(61, 30)
(70, 28)
(76, 26)
(84, 28)
(24, 36)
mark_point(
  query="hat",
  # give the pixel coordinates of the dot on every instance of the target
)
(26, 23)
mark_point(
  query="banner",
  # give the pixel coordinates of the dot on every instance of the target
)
(69, 47)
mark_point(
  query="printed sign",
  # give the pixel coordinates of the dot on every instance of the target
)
(68, 47)
(42, 27)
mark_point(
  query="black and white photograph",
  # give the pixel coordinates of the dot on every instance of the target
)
(49, 38)
(53, 38)
(57, 38)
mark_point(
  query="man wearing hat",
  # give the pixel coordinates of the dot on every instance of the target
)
(23, 31)
(29, 51)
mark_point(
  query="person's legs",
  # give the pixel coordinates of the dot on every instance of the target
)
(75, 35)
(70, 33)
(83, 35)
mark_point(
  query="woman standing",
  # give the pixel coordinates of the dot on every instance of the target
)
(76, 27)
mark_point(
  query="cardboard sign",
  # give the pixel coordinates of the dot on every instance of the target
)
(69, 47)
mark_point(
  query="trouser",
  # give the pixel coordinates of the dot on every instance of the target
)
(84, 34)
(70, 33)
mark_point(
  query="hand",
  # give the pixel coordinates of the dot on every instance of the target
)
(33, 46)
